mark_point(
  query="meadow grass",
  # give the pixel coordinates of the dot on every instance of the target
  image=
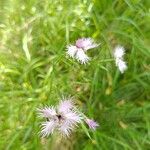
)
(34, 71)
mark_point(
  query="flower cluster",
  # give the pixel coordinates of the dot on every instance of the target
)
(78, 50)
(63, 118)
(118, 54)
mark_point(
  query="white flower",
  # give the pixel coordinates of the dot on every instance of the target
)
(78, 50)
(63, 118)
(121, 65)
(118, 54)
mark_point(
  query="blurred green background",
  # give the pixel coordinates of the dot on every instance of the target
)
(34, 71)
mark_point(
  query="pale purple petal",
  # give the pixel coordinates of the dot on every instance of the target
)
(92, 124)
(86, 43)
(65, 129)
(65, 105)
(73, 117)
(82, 57)
(48, 128)
(91, 46)
(80, 43)
(71, 50)
(47, 112)
(71, 121)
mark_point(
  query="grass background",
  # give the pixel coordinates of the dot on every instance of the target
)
(34, 71)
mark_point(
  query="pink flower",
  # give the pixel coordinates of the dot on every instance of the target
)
(78, 50)
(92, 124)
(62, 118)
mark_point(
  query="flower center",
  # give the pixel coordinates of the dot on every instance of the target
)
(59, 117)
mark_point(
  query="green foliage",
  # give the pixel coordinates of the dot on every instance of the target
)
(34, 71)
